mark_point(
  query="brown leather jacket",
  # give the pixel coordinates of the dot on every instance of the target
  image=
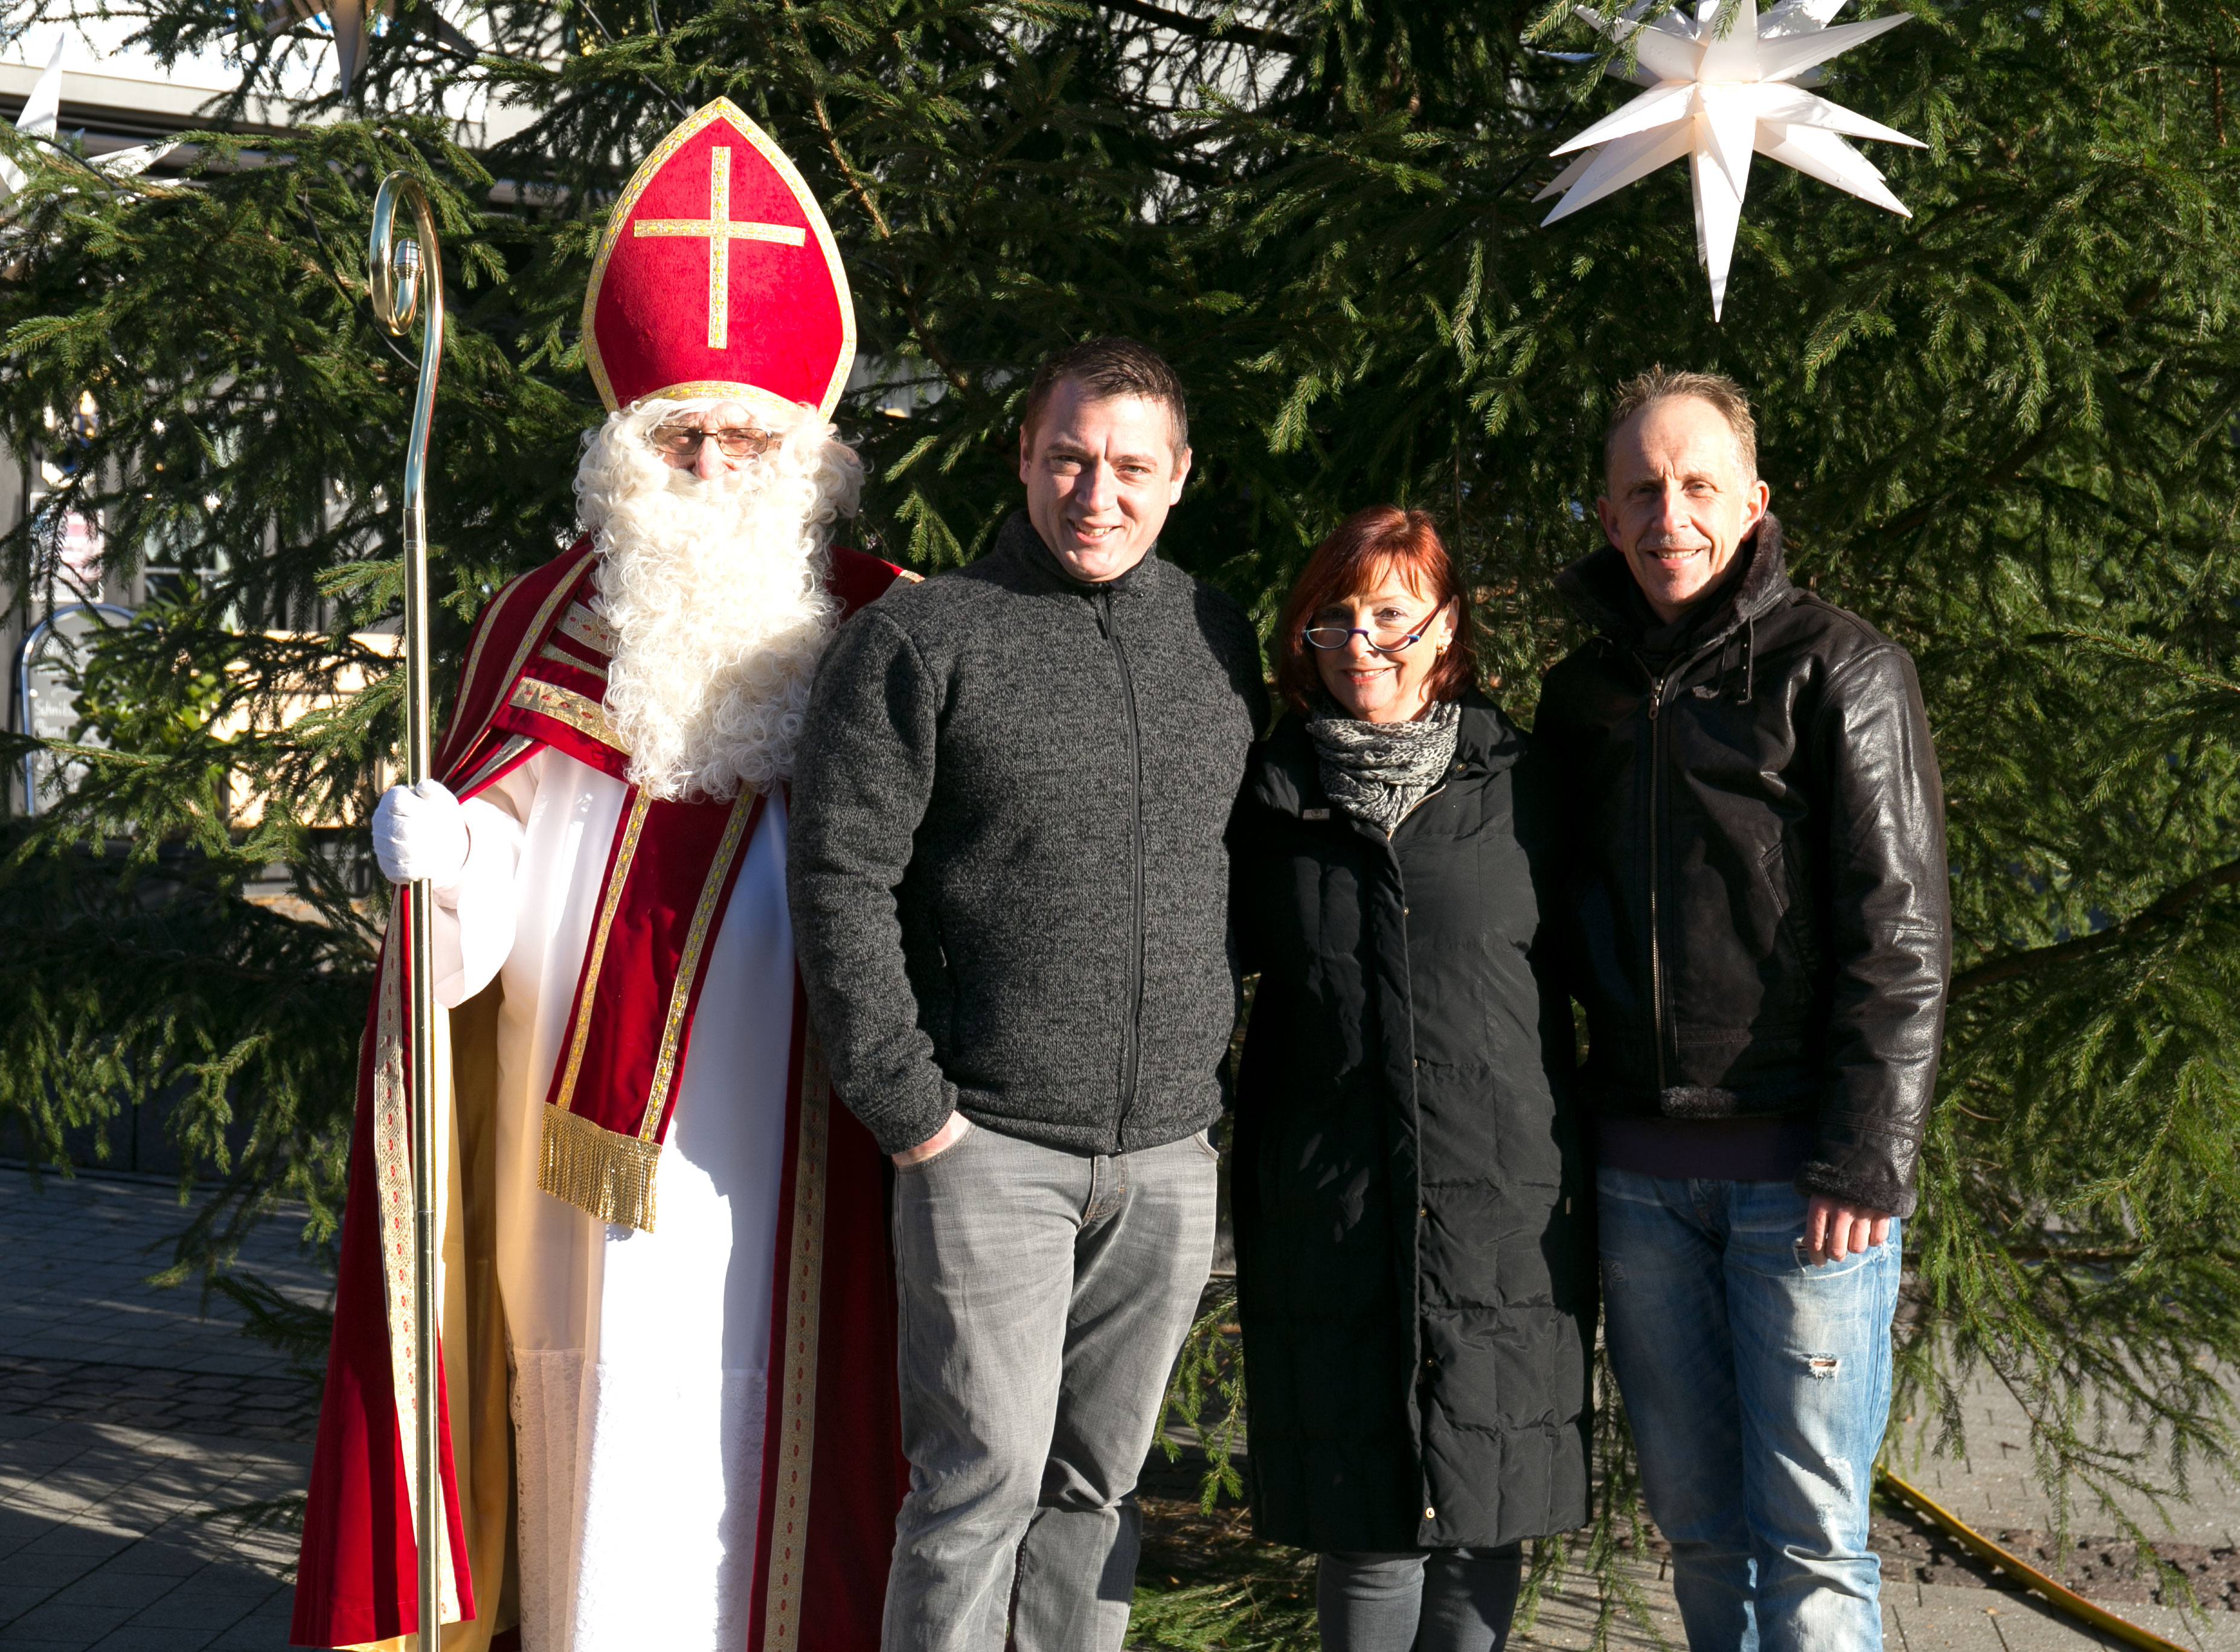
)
(1757, 916)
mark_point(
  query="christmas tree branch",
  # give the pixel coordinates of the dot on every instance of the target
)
(858, 188)
(2171, 904)
(1234, 34)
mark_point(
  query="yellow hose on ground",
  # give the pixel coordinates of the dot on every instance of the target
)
(2066, 1599)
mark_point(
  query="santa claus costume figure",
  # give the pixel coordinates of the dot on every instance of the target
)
(667, 1362)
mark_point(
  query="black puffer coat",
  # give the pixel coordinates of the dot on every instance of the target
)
(1413, 1238)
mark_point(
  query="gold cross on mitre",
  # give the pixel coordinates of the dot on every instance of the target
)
(720, 231)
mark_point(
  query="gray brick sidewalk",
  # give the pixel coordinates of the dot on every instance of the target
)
(126, 1418)
(1992, 1490)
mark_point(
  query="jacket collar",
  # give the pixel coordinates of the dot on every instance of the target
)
(1599, 588)
(1288, 777)
(1019, 543)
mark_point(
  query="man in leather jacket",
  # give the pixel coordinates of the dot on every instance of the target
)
(1759, 931)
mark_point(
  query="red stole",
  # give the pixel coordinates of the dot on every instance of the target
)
(622, 1055)
(668, 880)
(534, 677)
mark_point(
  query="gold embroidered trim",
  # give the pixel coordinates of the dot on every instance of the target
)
(482, 632)
(392, 1162)
(575, 662)
(584, 716)
(537, 626)
(769, 403)
(797, 1435)
(608, 1176)
(514, 745)
(633, 824)
(586, 627)
(392, 1169)
(687, 962)
(719, 229)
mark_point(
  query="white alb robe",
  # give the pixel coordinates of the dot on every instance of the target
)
(640, 1359)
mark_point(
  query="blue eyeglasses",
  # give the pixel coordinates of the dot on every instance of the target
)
(1331, 638)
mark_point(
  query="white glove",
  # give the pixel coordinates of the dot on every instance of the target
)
(420, 832)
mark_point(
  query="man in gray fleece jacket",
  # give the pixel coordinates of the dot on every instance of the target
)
(1009, 898)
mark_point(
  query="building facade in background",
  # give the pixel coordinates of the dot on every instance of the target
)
(111, 99)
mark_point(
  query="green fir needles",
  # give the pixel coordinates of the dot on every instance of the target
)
(2003, 430)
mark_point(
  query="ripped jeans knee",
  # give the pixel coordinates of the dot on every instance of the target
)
(1757, 1387)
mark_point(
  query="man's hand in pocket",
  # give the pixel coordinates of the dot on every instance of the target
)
(953, 1130)
(1834, 1229)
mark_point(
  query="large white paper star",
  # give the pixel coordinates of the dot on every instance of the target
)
(1727, 84)
(41, 115)
(38, 119)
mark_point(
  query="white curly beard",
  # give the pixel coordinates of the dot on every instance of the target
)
(715, 592)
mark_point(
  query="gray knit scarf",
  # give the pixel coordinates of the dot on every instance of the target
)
(1378, 772)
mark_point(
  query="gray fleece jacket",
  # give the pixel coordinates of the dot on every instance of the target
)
(1010, 892)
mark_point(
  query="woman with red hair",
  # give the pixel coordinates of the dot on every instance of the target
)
(1414, 1247)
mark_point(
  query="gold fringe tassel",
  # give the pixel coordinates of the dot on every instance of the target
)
(597, 1171)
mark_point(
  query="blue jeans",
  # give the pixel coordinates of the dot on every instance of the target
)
(1758, 1386)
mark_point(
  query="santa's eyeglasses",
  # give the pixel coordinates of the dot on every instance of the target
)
(737, 441)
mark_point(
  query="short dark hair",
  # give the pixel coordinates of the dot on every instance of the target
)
(1109, 368)
(1662, 384)
(1351, 561)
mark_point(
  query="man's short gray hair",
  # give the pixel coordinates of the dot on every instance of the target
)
(1661, 383)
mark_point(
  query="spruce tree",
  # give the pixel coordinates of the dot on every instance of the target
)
(2002, 429)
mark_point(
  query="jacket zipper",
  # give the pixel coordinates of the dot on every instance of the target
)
(1390, 836)
(1656, 835)
(1391, 845)
(1108, 623)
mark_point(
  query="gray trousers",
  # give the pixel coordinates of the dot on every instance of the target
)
(1443, 1600)
(1044, 1296)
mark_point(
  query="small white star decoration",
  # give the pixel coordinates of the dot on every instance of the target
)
(1727, 84)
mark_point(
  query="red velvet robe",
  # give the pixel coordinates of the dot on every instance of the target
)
(829, 1492)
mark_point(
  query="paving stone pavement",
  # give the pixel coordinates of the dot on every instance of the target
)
(127, 1418)
(1990, 1488)
(128, 1415)
(1916, 1618)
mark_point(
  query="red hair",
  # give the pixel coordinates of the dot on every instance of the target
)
(1354, 559)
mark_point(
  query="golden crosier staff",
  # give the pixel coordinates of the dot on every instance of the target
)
(404, 271)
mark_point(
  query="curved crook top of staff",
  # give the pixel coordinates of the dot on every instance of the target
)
(406, 272)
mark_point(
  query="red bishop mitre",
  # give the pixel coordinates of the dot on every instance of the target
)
(718, 276)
